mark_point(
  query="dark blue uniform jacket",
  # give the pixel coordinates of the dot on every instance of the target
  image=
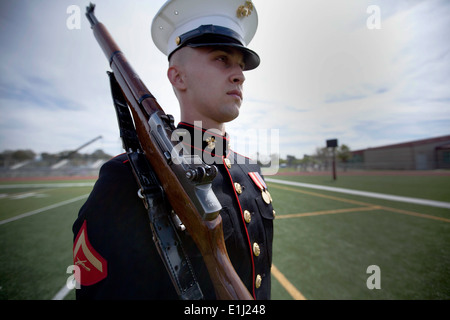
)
(116, 252)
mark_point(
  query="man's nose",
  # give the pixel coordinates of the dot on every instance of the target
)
(237, 76)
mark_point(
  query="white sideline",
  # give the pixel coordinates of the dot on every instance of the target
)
(425, 202)
(47, 185)
(56, 205)
(62, 293)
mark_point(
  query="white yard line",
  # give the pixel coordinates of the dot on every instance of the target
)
(53, 206)
(425, 202)
(47, 185)
(62, 293)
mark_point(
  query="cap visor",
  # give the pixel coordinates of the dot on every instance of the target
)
(251, 58)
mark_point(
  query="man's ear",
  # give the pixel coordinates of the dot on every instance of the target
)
(176, 77)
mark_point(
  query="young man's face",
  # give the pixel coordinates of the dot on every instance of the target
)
(213, 83)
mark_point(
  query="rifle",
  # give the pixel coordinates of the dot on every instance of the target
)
(186, 183)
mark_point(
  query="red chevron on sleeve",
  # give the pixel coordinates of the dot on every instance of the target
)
(93, 267)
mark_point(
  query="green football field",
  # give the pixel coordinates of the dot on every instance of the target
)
(327, 245)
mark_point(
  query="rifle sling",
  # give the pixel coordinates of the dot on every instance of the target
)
(165, 235)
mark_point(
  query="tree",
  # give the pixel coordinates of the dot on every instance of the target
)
(100, 154)
(322, 157)
(23, 155)
(344, 154)
(290, 160)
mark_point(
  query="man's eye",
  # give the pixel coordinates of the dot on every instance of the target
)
(222, 59)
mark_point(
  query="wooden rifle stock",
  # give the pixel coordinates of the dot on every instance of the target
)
(154, 133)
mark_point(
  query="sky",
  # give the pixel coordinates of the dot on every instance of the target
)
(329, 70)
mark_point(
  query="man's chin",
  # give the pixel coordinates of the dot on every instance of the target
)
(232, 115)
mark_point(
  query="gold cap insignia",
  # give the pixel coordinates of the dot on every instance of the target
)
(245, 10)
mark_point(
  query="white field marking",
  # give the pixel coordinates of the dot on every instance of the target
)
(62, 293)
(28, 195)
(47, 185)
(425, 202)
(56, 205)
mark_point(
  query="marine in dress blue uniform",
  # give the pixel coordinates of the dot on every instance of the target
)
(113, 244)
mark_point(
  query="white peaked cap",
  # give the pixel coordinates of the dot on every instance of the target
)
(197, 23)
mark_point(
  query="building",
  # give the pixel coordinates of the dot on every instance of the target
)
(426, 154)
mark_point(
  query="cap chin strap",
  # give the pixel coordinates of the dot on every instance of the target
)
(212, 35)
(208, 35)
(211, 32)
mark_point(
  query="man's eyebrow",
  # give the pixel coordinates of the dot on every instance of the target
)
(224, 49)
(227, 50)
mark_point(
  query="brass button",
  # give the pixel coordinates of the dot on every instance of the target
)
(238, 188)
(258, 281)
(178, 41)
(227, 163)
(256, 249)
(247, 216)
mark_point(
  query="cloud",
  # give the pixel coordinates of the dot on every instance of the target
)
(54, 91)
(321, 59)
(323, 73)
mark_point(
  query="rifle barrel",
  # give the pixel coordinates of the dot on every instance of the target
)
(90, 14)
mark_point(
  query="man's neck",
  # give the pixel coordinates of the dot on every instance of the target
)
(205, 123)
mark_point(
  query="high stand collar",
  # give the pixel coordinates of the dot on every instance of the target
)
(206, 143)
